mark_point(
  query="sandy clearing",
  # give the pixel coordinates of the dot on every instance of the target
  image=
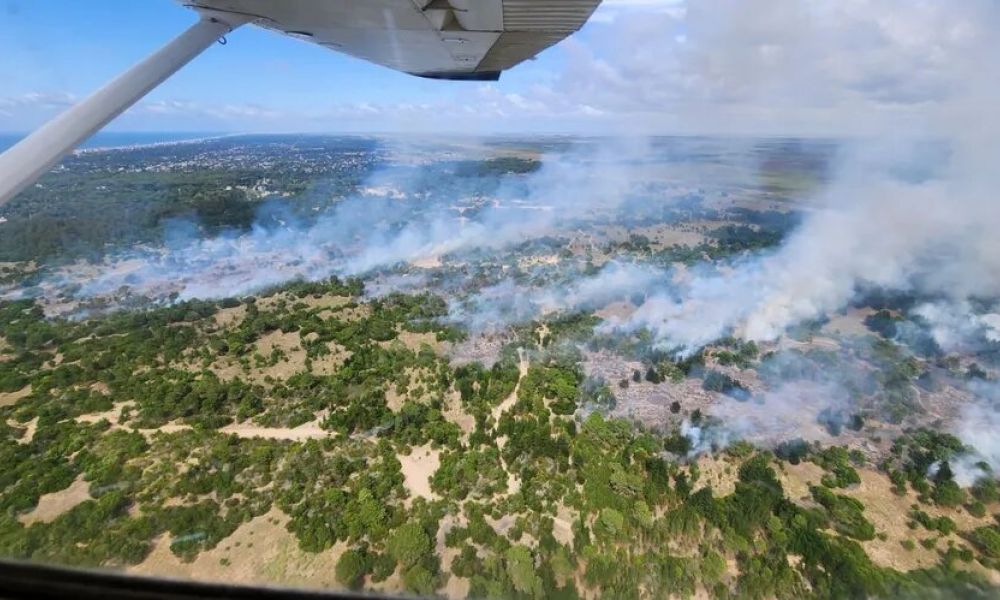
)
(393, 399)
(11, 398)
(502, 525)
(415, 341)
(427, 262)
(513, 483)
(293, 362)
(713, 469)
(889, 514)
(849, 324)
(346, 313)
(171, 427)
(260, 551)
(112, 416)
(227, 317)
(330, 363)
(621, 309)
(666, 235)
(417, 377)
(562, 524)
(454, 413)
(305, 431)
(526, 262)
(796, 479)
(29, 429)
(52, 505)
(224, 368)
(322, 302)
(418, 467)
(392, 585)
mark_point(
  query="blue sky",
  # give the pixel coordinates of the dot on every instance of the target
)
(640, 66)
(54, 50)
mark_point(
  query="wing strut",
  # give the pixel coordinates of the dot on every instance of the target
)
(29, 159)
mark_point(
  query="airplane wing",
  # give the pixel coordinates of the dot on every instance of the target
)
(443, 39)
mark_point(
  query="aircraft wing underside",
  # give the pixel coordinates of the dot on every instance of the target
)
(445, 39)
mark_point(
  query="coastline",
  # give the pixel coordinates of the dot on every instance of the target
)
(140, 146)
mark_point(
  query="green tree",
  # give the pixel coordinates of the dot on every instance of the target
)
(521, 569)
(409, 544)
(351, 569)
(419, 580)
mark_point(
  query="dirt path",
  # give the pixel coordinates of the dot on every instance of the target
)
(509, 401)
(513, 481)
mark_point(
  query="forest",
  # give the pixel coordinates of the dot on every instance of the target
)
(539, 491)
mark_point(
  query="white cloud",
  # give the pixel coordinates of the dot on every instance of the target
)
(676, 66)
(764, 66)
(227, 112)
(609, 10)
(37, 100)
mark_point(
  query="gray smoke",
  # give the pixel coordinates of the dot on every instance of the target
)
(977, 427)
(498, 306)
(956, 326)
(392, 219)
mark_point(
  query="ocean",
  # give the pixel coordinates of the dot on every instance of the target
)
(114, 139)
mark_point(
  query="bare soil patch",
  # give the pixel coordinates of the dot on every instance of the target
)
(294, 359)
(718, 472)
(889, 513)
(454, 413)
(415, 341)
(796, 479)
(329, 364)
(112, 416)
(29, 430)
(260, 551)
(562, 524)
(850, 324)
(11, 398)
(227, 317)
(346, 312)
(306, 431)
(323, 302)
(418, 467)
(52, 505)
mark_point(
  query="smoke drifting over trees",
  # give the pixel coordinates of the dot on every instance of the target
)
(911, 208)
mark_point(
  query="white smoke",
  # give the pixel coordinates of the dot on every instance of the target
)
(956, 327)
(389, 221)
(497, 306)
(977, 427)
(910, 213)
